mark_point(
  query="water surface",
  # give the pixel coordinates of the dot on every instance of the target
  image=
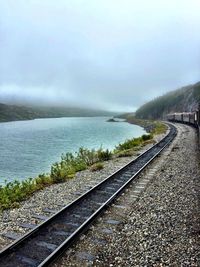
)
(28, 148)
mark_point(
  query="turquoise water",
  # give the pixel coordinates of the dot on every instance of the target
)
(28, 148)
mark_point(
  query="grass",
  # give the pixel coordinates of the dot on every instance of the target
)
(70, 164)
(12, 193)
(159, 128)
(132, 143)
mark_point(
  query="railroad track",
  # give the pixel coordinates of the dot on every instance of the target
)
(46, 242)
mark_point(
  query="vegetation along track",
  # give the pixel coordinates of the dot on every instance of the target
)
(47, 241)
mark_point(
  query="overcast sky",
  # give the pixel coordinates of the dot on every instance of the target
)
(110, 54)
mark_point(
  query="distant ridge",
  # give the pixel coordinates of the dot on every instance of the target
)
(185, 99)
(15, 113)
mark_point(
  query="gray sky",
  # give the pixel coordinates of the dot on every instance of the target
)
(112, 54)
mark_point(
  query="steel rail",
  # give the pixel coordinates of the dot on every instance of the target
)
(16, 254)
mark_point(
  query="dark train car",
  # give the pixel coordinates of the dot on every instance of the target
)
(174, 117)
(186, 117)
(192, 118)
(198, 117)
(170, 117)
(189, 117)
(178, 117)
(198, 123)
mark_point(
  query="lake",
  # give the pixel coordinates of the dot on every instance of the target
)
(28, 148)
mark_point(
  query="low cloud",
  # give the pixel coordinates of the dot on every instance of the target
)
(108, 54)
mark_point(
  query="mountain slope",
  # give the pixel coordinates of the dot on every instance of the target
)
(14, 113)
(185, 99)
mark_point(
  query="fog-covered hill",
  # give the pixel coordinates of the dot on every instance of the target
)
(14, 112)
(181, 100)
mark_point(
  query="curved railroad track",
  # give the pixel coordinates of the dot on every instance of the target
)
(47, 241)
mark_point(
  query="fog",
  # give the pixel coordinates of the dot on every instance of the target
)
(108, 54)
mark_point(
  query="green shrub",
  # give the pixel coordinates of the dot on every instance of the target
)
(146, 137)
(104, 155)
(96, 167)
(59, 172)
(43, 180)
(76, 163)
(128, 144)
(70, 164)
(89, 157)
(14, 192)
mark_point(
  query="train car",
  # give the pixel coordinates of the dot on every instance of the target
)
(186, 117)
(192, 118)
(170, 117)
(178, 117)
(198, 117)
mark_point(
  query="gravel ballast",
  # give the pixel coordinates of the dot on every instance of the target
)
(155, 222)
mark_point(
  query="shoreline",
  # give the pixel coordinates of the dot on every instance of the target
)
(147, 125)
(35, 174)
(57, 195)
(72, 165)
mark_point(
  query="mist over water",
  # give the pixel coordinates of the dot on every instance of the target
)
(28, 148)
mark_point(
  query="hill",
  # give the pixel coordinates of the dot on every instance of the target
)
(185, 99)
(14, 112)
